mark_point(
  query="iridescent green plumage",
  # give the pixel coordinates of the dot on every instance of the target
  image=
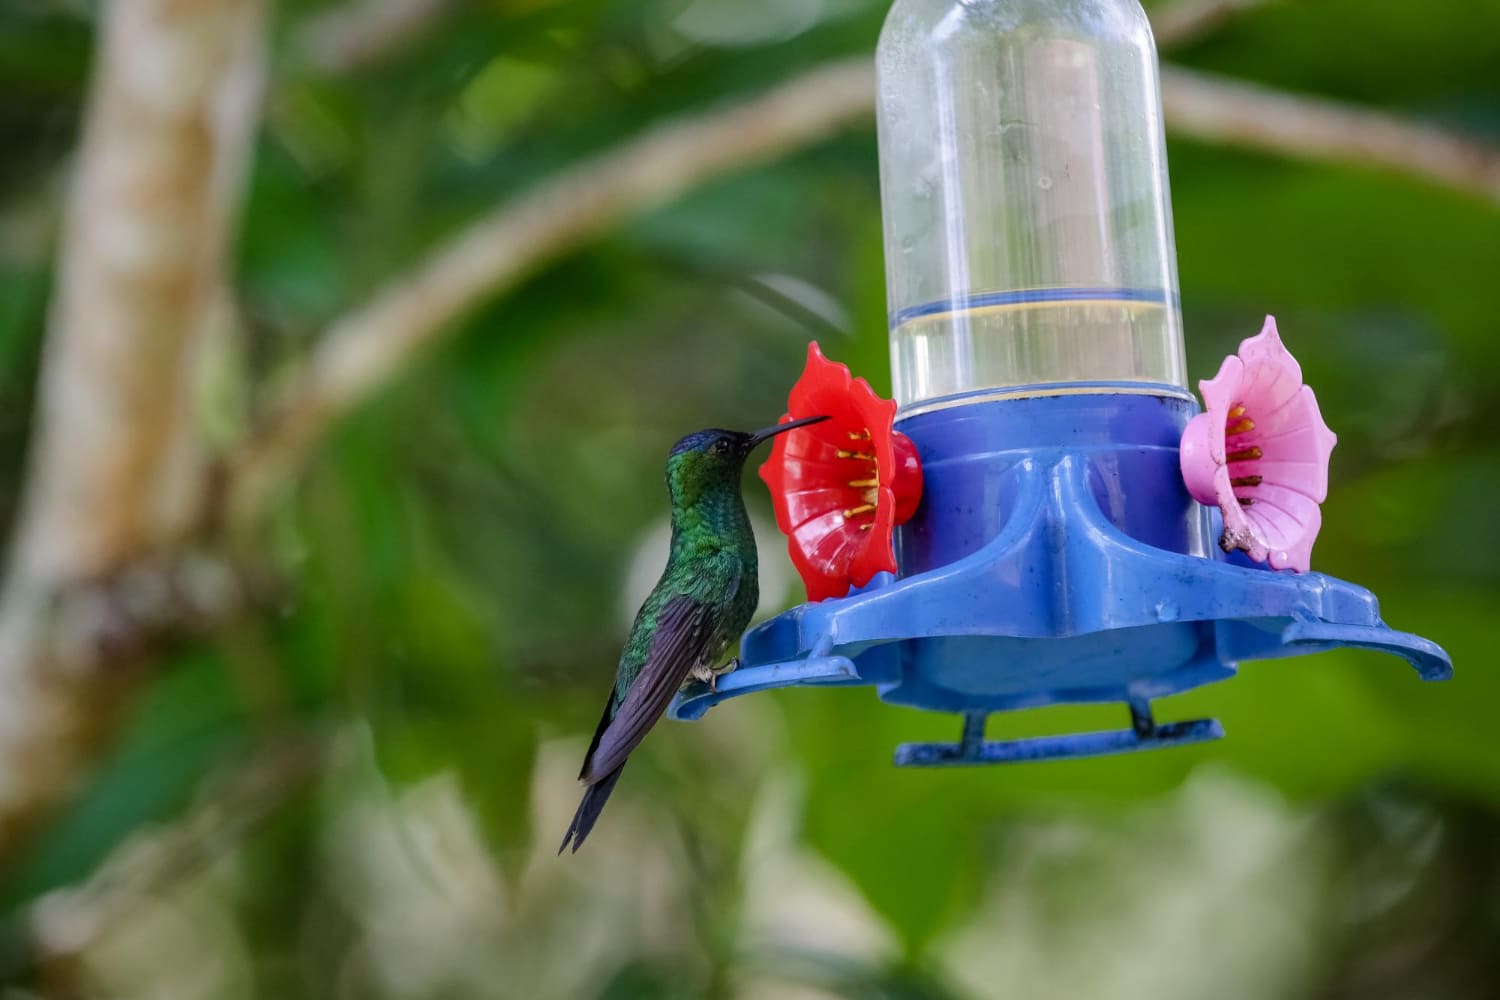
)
(694, 614)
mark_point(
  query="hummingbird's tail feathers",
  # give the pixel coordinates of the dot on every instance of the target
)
(589, 809)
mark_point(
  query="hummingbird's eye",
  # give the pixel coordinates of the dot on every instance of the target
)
(721, 447)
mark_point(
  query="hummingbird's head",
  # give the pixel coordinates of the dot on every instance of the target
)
(713, 458)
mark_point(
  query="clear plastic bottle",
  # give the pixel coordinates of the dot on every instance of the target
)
(1028, 224)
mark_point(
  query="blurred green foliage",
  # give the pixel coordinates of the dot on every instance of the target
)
(457, 554)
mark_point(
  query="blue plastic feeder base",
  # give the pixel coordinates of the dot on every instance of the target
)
(1057, 558)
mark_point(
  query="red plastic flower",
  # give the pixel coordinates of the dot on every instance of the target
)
(841, 486)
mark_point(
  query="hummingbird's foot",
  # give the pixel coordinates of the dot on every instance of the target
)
(710, 676)
(728, 668)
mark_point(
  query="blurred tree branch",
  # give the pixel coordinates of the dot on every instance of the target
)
(116, 467)
(1186, 21)
(362, 33)
(364, 349)
(1217, 110)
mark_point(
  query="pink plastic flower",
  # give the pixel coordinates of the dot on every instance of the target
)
(841, 486)
(1260, 452)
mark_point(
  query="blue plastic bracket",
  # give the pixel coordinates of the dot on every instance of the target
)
(1426, 657)
(814, 670)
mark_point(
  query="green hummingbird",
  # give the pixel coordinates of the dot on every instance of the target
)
(701, 604)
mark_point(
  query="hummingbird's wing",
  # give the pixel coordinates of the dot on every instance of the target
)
(609, 712)
(684, 628)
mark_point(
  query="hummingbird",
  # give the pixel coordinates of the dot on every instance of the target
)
(701, 604)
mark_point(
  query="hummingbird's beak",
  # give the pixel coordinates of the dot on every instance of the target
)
(770, 432)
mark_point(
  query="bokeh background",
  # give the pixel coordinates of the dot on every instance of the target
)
(356, 789)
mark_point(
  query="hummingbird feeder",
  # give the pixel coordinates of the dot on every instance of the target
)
(1043, 515)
